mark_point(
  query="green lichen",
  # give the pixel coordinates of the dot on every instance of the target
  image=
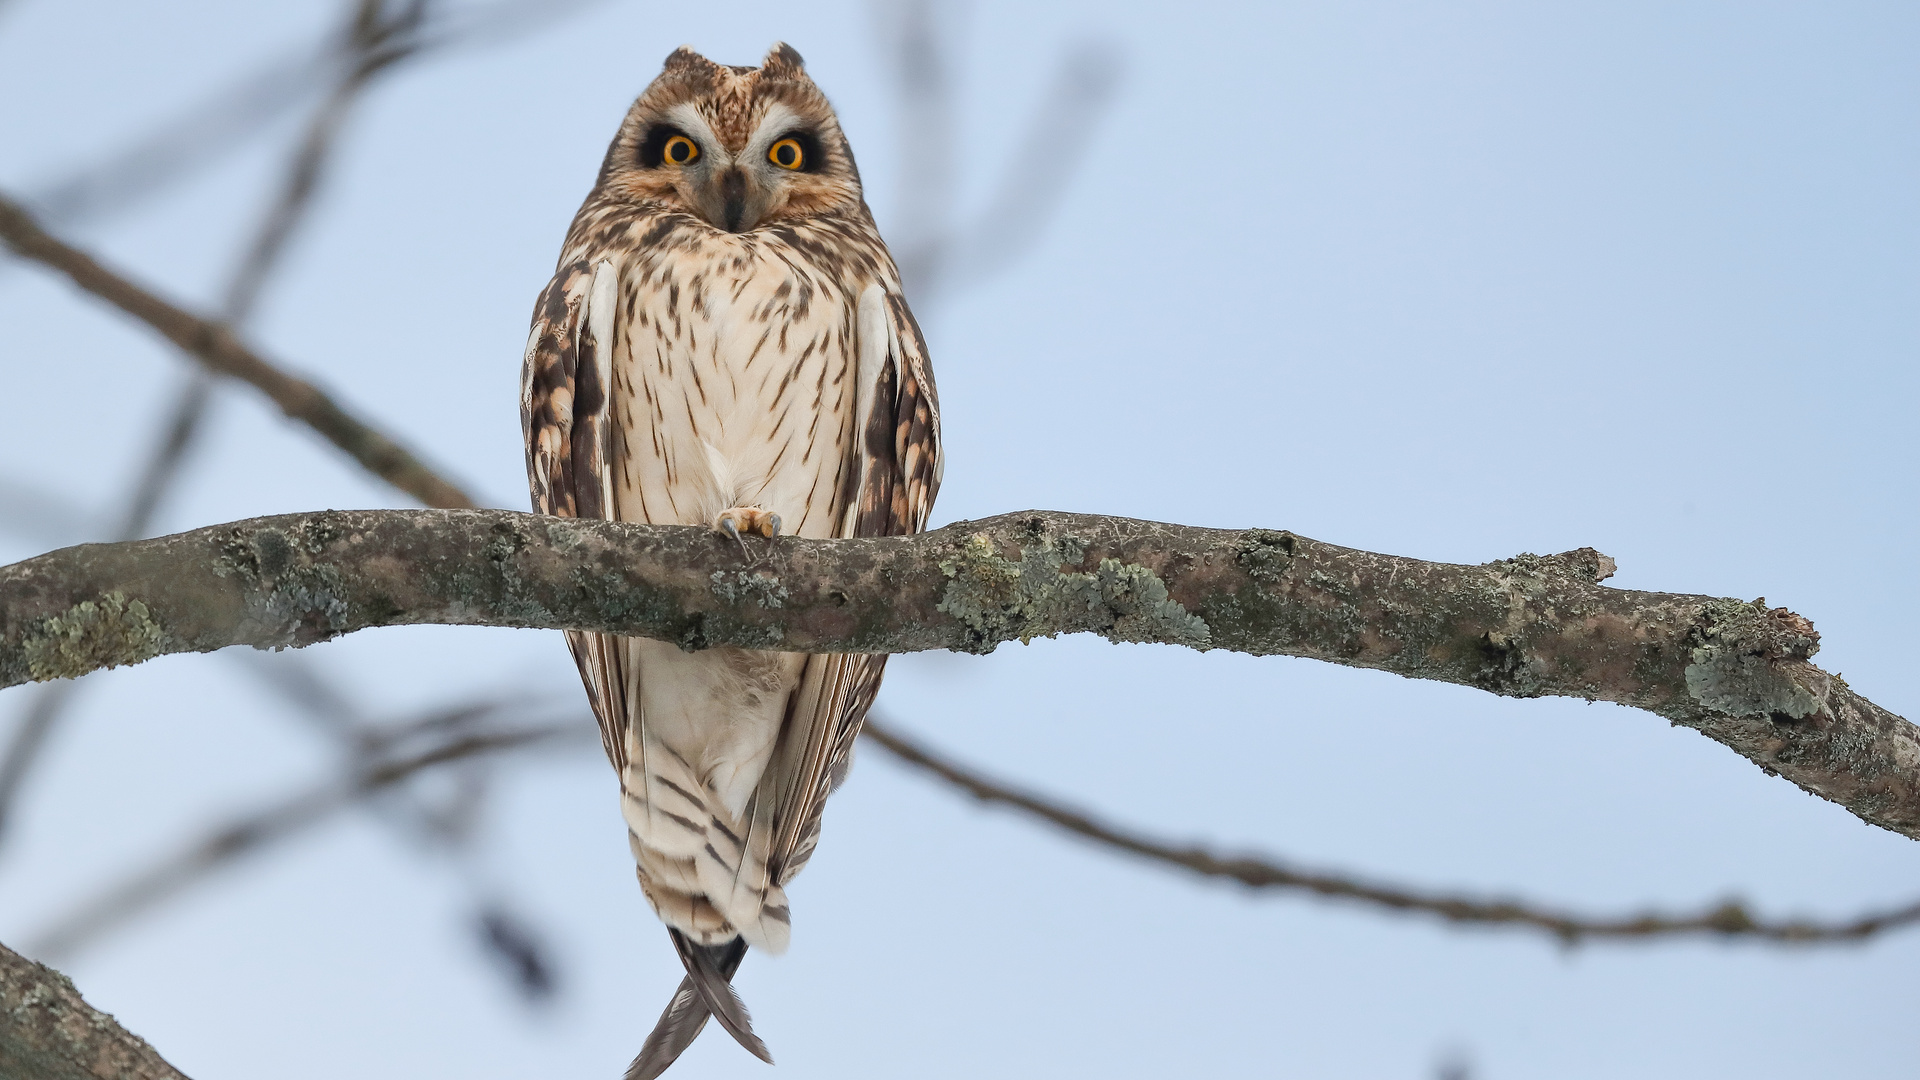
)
(91, 635)
(1737, 659)
(745, 586)
(1740, 684)
(295, 600)
(1000, 599)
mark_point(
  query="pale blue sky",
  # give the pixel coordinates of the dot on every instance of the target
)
(1451, 281)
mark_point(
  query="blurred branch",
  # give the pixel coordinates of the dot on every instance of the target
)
(215, 345)
(1529, 626)
(250, 832)
(446, 826)
(1034, 182)
(1730, 919)
(29, 736)
(372, 44)
(913, 48)
(34, 513)
(48, 1032)
(317, 699)
(375, 41)
(934, 253)
(198, 136)
(238, 111)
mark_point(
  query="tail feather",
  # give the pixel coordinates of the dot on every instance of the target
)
(686, 1014)
(711, 968)
(706, 991)
(682, 1022)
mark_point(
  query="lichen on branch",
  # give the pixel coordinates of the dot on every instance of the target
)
(1527, 626)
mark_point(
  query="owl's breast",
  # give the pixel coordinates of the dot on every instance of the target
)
(733, 385)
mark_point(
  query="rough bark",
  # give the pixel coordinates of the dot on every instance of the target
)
(48, 1032)
(1529, 626)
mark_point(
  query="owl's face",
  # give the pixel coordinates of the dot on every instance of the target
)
(740, 148)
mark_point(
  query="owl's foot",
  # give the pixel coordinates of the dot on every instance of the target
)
(738, 521)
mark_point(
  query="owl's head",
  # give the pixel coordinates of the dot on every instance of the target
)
(737, 147)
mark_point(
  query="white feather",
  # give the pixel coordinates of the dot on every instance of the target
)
(603, 304)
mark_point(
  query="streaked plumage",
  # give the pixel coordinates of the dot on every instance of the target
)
(725, 336)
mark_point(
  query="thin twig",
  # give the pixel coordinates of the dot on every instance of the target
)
(29, 511)
(914, 50)
(228, 118)
(936, 255)
(196, 137)
(29, 737)
(1033, 183)
(368, 48)
(447, 825)
(214, 345)
(374, 42)
(250, 832)
(1730, 919)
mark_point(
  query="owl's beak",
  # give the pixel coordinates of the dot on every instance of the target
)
(732, 199)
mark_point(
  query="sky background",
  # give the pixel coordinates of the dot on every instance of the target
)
(1449, 281)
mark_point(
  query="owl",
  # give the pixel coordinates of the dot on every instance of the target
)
(725, 344)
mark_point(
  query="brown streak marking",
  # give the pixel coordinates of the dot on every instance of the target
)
(728, 833)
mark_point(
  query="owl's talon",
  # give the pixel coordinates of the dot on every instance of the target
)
(727, 526)
(737, 521)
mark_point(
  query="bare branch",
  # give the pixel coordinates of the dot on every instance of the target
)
(199, 135)
(48, 1032)
(914, 52)
(372, 44)
(1729, 920)
(250, 832)
(446, 825)
(1529, 626)
(934, 253)
(214, 345)
(1034, 181)
(29, 737)
(31, 512)
(225, 120)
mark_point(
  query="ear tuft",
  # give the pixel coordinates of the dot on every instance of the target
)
(783, 59)
(683, 58)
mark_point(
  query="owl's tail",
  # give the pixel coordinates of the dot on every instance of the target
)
(706, 991)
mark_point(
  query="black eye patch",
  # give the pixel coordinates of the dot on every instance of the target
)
(811, 159)
(653, 148)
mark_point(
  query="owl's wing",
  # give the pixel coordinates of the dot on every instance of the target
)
(565, 385)
(895, 453)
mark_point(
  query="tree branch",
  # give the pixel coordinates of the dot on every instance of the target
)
(1530, 626)
(249, 832)
(372, 44)
(214, 345)
(1730, 919)
(48, 1032)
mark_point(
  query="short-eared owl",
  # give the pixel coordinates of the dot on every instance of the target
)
(725, 344)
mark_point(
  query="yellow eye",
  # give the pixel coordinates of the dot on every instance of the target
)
(679, 150)
(787, 154)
